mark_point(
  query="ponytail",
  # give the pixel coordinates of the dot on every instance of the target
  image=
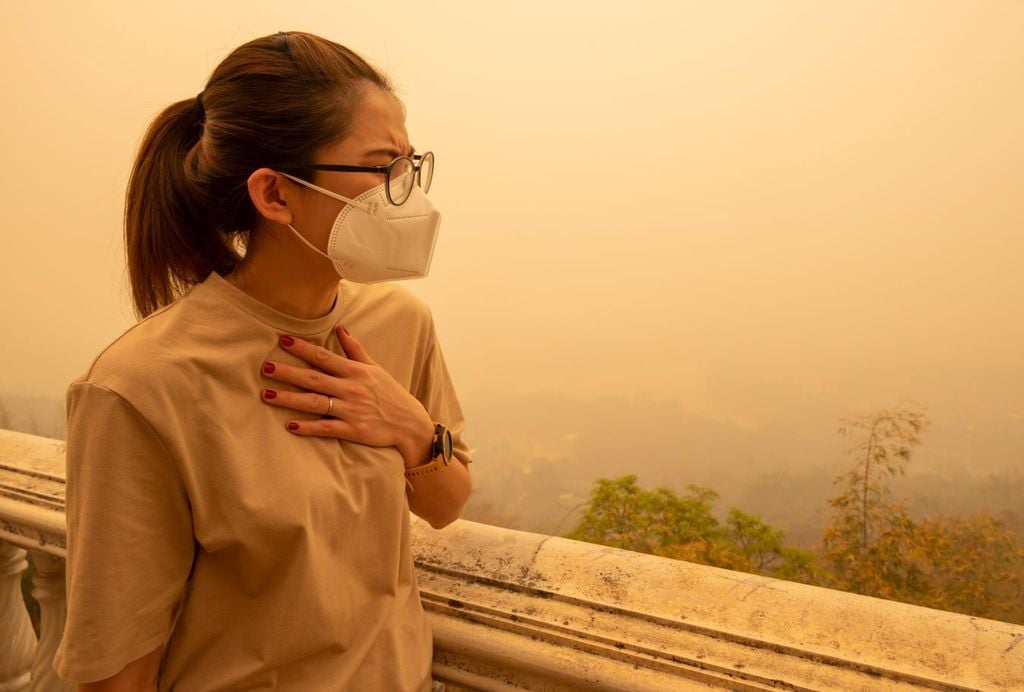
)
(168, 241)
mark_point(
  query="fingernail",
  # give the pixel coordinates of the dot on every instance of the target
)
(345, 330)
(287, 340)
(268, 368)
(292, 425)
(269, 393)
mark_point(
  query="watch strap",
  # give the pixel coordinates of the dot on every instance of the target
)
(431, 466)
(438, 461)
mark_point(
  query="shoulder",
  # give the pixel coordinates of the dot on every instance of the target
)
(393, 324)
(385, 304)
(149, 351)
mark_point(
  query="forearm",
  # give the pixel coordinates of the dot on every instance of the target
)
(437, 497)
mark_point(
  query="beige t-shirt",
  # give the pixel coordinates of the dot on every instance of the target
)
(282, 562)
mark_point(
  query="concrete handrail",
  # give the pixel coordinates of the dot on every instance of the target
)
(513, 610)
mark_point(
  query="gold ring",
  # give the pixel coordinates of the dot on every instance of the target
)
(330, 406)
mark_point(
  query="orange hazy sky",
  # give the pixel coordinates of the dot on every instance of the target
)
(730, 204)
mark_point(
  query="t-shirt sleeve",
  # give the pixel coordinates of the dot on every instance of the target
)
(437, 394)
(130, 540)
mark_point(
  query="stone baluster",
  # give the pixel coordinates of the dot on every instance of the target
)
(17, 638)
(48, 590)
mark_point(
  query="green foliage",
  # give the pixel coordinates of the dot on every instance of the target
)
(758, 542)
(799, 565)
(623, 515)
(660, 522)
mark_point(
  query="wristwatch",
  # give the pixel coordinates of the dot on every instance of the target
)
(441, 453)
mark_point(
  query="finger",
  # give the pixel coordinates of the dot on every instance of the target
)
(324, 427)
(353, 349)
(307, 378)
(306, 402)
(317, 356)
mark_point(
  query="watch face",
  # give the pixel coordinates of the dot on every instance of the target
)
(446, 445)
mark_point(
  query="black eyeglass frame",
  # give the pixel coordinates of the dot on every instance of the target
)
(386, 170)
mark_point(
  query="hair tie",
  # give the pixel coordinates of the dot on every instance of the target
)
(197, 107)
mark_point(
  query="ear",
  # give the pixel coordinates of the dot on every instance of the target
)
(271, 193)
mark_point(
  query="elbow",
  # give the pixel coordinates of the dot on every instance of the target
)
(441, 509)
(441, 522)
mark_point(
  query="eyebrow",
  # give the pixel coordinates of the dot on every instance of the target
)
(393, 152)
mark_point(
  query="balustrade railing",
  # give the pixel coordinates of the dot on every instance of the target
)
(513, 610)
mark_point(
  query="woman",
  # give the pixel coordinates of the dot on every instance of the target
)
(242, 461)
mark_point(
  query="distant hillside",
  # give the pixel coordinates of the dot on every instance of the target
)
(538, 455)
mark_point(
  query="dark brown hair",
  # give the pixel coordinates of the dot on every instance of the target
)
(272, 102)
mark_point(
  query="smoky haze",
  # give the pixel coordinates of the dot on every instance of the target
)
(679, 239)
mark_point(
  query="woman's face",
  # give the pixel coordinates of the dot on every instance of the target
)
(376, 137)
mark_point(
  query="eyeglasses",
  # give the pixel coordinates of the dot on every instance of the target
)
(400, 175)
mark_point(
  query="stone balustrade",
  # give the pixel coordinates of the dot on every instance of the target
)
(513, 610)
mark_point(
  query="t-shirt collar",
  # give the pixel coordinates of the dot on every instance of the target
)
(289, 324)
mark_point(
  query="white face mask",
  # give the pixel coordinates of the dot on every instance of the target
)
(373, 241)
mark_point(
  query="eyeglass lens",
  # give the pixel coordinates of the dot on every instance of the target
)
(404, 174)
(426, 172)
(401, 180)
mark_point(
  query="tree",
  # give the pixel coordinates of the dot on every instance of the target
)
(871, 536)
(623, 515)
(660, 522)
(972, 564)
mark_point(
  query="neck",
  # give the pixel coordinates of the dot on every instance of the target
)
(286, 275)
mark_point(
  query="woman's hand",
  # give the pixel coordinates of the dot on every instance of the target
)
(366, 404)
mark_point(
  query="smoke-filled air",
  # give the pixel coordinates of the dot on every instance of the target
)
(723, 248)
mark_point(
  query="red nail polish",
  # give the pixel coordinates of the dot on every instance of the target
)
(292, 425)
(270, 394)
(268, 368)
(287, 340)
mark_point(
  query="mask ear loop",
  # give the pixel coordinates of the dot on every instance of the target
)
(312, 247)
(341, 198)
